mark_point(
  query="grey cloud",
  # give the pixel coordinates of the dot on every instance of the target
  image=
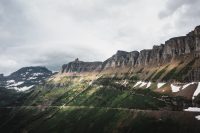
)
(184, 14)
(51, 33)
(173, 5)
(92, 10)
(20, 56)
(17, 26)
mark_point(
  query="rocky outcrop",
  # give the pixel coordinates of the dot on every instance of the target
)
(189, 44)
(178, 46)
(159, 54)
(133, 56)
(80, 66)
(1, 76)
(25, 78)
(174, 48)
(30, 72)
(121, 59)
(156, 55)
(2, 80)
(144, 57)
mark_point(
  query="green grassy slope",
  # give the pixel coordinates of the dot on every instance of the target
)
(77, 105)
(98, 120)
(97, 94)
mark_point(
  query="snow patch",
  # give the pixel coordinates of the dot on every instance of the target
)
(23, 75)
(37, 74)
(143, 84)
(26, 73)
(159, 85)
(148, 85)
(11, 81)
(175, 88)
(197, 117)
(91, 82)
(30, 70)
(197, 91)
(138, 83)
(125, 82)
(192, 109)
(185, 86)
(32, 78)
(16, 84)
(25, 88)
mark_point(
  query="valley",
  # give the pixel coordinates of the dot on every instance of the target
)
(155, 90)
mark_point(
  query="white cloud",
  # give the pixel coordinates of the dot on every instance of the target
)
(49, 32)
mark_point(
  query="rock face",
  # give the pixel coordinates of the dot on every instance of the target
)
(164, 53)
(2, 80)
(144, 57)
(25, 78)
(30, 72)
(1, 77)
(121, 59)
(159, 55)
(189, 44)
(80, 66)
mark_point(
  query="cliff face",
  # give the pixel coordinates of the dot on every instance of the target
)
(2, 80)
(144, 57)
(159, 55)
(1, 76)
(174, 47)
(189, 44)
(121, 59)
(80, 66)
(164, 53)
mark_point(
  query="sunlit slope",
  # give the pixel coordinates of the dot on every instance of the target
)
(100, 103)
(103, 91)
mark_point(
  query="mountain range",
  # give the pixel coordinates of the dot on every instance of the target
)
(154, 90)
(177, 53)
(25, 78)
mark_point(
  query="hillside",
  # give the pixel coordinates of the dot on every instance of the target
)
(155, 90)
(25, 78)
(77, 104)
(176, 60)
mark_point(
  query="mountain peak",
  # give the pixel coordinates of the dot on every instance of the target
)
(1, 75)
(197, 30)
(25, 78)
(121, 53)
(80, 66)
(76, 60)
(159, 55)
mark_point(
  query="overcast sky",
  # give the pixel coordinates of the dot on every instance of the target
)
(53, 32)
